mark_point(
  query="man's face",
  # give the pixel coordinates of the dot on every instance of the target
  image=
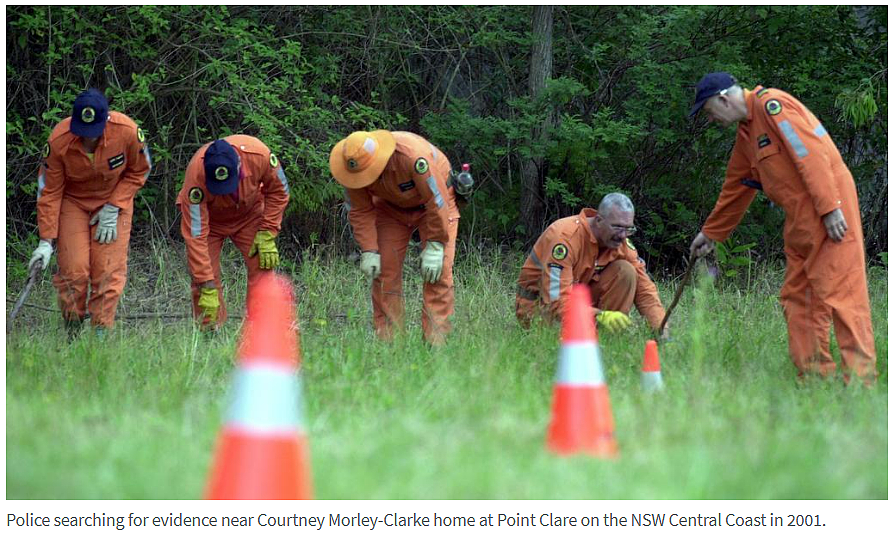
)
(613, 227)
(719, 109)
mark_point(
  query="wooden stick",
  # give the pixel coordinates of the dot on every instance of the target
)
(687, 276)
(32, 278)
(135, 316)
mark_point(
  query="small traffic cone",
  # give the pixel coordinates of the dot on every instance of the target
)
(262, 451)
(651, 377)
(581, 418)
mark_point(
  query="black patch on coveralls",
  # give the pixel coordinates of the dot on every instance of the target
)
(116, 161)
(406, 186)
(764, 141)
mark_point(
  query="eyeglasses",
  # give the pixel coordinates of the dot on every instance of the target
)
(620, 229)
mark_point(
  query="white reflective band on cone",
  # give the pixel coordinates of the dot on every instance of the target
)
(266, 400)
(580, 364)
(652, 381)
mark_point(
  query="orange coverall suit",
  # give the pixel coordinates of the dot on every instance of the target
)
(207, 219)
(784, 146)
(385, 214)
(568, 253)
(70, 189)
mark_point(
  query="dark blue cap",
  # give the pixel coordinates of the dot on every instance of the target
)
(710, 85)
(90, 114)
(221, 168)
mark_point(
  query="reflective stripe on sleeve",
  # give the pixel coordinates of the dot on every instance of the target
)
(41, 181)
(281, 174)
(554, 283)
(432, 184)
(433, 152)
(793, 138)
(820, 131)
(195, 214)
(148, 159)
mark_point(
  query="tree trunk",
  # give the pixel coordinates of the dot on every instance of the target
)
(532, 200)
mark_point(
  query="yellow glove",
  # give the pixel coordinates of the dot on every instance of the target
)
(614, 320)
(265, 244)
(209, 303)
(432, 261)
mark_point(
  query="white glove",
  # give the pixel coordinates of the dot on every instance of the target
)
(835, 223)
(107, 230)
(42, 254)
(702, 245)
(370, 264)
(432, 262)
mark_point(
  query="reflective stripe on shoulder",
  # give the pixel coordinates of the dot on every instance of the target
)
(432, 184)
(41, 181)
(195, 216)
(820, 131)
(148, 159)
(281, 174)
(433, 152)
(536, 260)
(554, 282)
(793, 138)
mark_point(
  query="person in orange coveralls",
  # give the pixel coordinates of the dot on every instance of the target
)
(783, 148)
(234, 188)
(591, 248)
(93, 164)
(396, 182)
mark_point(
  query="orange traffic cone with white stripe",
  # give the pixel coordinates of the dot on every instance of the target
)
(581, 418)
(262, 451)
(651, 377)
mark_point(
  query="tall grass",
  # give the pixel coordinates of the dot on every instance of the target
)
(136, 415)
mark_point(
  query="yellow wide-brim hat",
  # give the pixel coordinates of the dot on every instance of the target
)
(358, 160)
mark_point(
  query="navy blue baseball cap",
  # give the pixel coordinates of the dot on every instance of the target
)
(710, 85)
(90, 114)
(221, 168)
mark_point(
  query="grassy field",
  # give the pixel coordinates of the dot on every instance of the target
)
(136, 416)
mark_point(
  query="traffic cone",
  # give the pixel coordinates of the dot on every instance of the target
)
(262, 451)
(581, 418)
(651, 377)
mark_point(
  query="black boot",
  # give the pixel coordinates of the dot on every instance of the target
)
(99, 332)
(73, 327)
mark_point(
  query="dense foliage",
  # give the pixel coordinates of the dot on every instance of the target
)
(300, 78)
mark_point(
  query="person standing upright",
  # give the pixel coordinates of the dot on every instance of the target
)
(785, 149)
